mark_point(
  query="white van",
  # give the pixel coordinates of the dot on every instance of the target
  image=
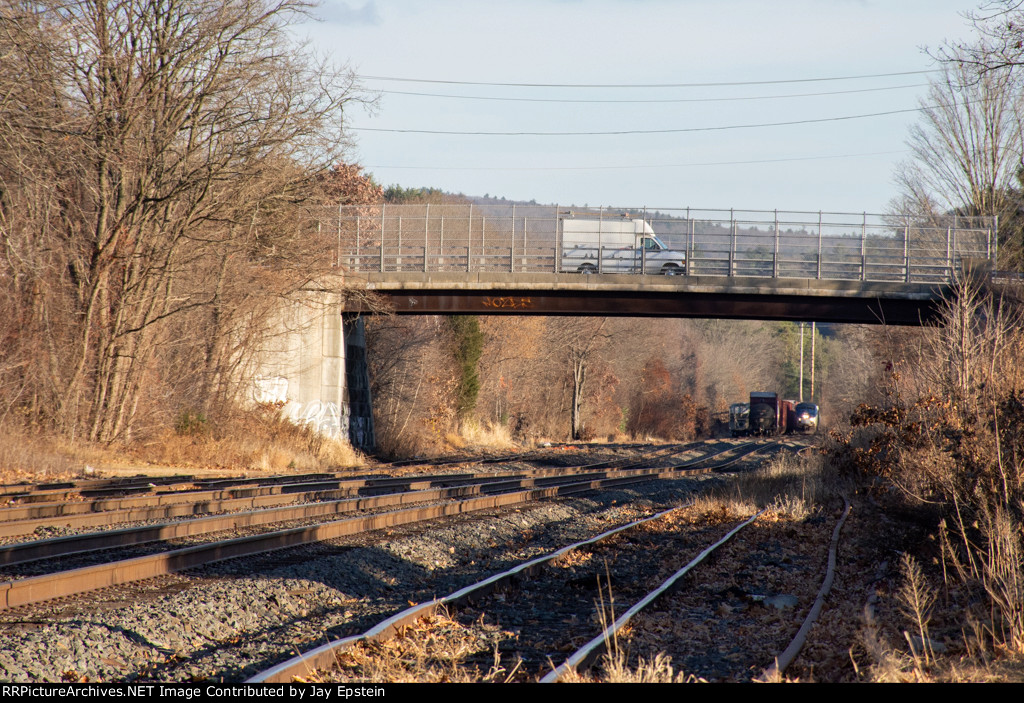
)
(616, 246)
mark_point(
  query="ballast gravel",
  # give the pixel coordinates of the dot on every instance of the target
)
(227, 622)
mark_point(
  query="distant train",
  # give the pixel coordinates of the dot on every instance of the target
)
(767, 414)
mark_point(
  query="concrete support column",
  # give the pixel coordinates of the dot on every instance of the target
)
(313, 364)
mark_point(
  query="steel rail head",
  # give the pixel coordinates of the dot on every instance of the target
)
(25, 519)
(591, 650)
(47, 587)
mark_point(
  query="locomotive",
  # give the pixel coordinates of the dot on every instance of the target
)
(739, 419)
(805, 418)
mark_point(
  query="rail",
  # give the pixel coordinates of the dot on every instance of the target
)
(728, 243)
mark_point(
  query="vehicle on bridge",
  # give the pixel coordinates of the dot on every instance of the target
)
(616, 246)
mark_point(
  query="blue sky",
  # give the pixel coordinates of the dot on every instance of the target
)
(691, 145)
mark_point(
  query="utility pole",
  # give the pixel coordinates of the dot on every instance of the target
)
(801, 362)
(813, 325)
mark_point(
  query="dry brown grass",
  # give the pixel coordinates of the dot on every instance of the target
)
(614, 664)
(788, 484)
(718, 507)
(487, 435)
(30, 457)
(898, 664)
(916, 600)
(945, 445)
(614, 668)
(987, 557)
(888, 664)
(261, 442)
(437, 649)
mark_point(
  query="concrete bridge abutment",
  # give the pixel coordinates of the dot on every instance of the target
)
(313, 364)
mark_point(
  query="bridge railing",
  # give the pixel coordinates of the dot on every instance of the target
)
(730, 243)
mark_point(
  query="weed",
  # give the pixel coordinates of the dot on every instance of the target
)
(916, 599)
(191, 423)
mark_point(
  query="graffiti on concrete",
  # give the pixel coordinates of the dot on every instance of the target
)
(270, 389)
(320, 416)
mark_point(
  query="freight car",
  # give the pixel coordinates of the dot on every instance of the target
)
(739, 419)
(762, 419)
(768, 414)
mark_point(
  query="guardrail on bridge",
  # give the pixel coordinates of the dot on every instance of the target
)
(733, 243)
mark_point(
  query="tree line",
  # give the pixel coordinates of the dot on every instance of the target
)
(569, 378)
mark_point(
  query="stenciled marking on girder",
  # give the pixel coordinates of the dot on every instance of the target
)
(509, 303)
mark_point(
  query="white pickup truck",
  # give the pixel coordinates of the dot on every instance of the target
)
(616, 246)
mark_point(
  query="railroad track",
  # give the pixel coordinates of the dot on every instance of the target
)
(25, 618)
(79, 507)
(42, 499)
(301, 501)
(67, 580)
(546, 606)
(553, 607)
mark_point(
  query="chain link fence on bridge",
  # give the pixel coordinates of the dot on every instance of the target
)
(732, 243)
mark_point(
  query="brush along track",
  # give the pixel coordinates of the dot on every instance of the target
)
(608, 637)
(743, 609)
(542, 611)
(544, 608)
(712, 625)
(223, 621)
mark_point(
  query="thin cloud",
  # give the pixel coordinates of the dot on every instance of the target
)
(342, 13)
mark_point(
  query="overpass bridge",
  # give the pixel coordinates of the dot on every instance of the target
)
(517, 259)
(495, 259)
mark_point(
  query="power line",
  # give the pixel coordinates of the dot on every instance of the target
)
(647, 85)
(652, 100)
(638, 166)
(677, 130)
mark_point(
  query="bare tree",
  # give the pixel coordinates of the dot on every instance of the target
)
(155, 158)
(1000, 27)
(579, 342)
(966, 149)
(414, 382)
(730, 358)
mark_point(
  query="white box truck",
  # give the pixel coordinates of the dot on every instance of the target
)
(616, 246)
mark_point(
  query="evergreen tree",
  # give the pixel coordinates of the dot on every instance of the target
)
(468, 347)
